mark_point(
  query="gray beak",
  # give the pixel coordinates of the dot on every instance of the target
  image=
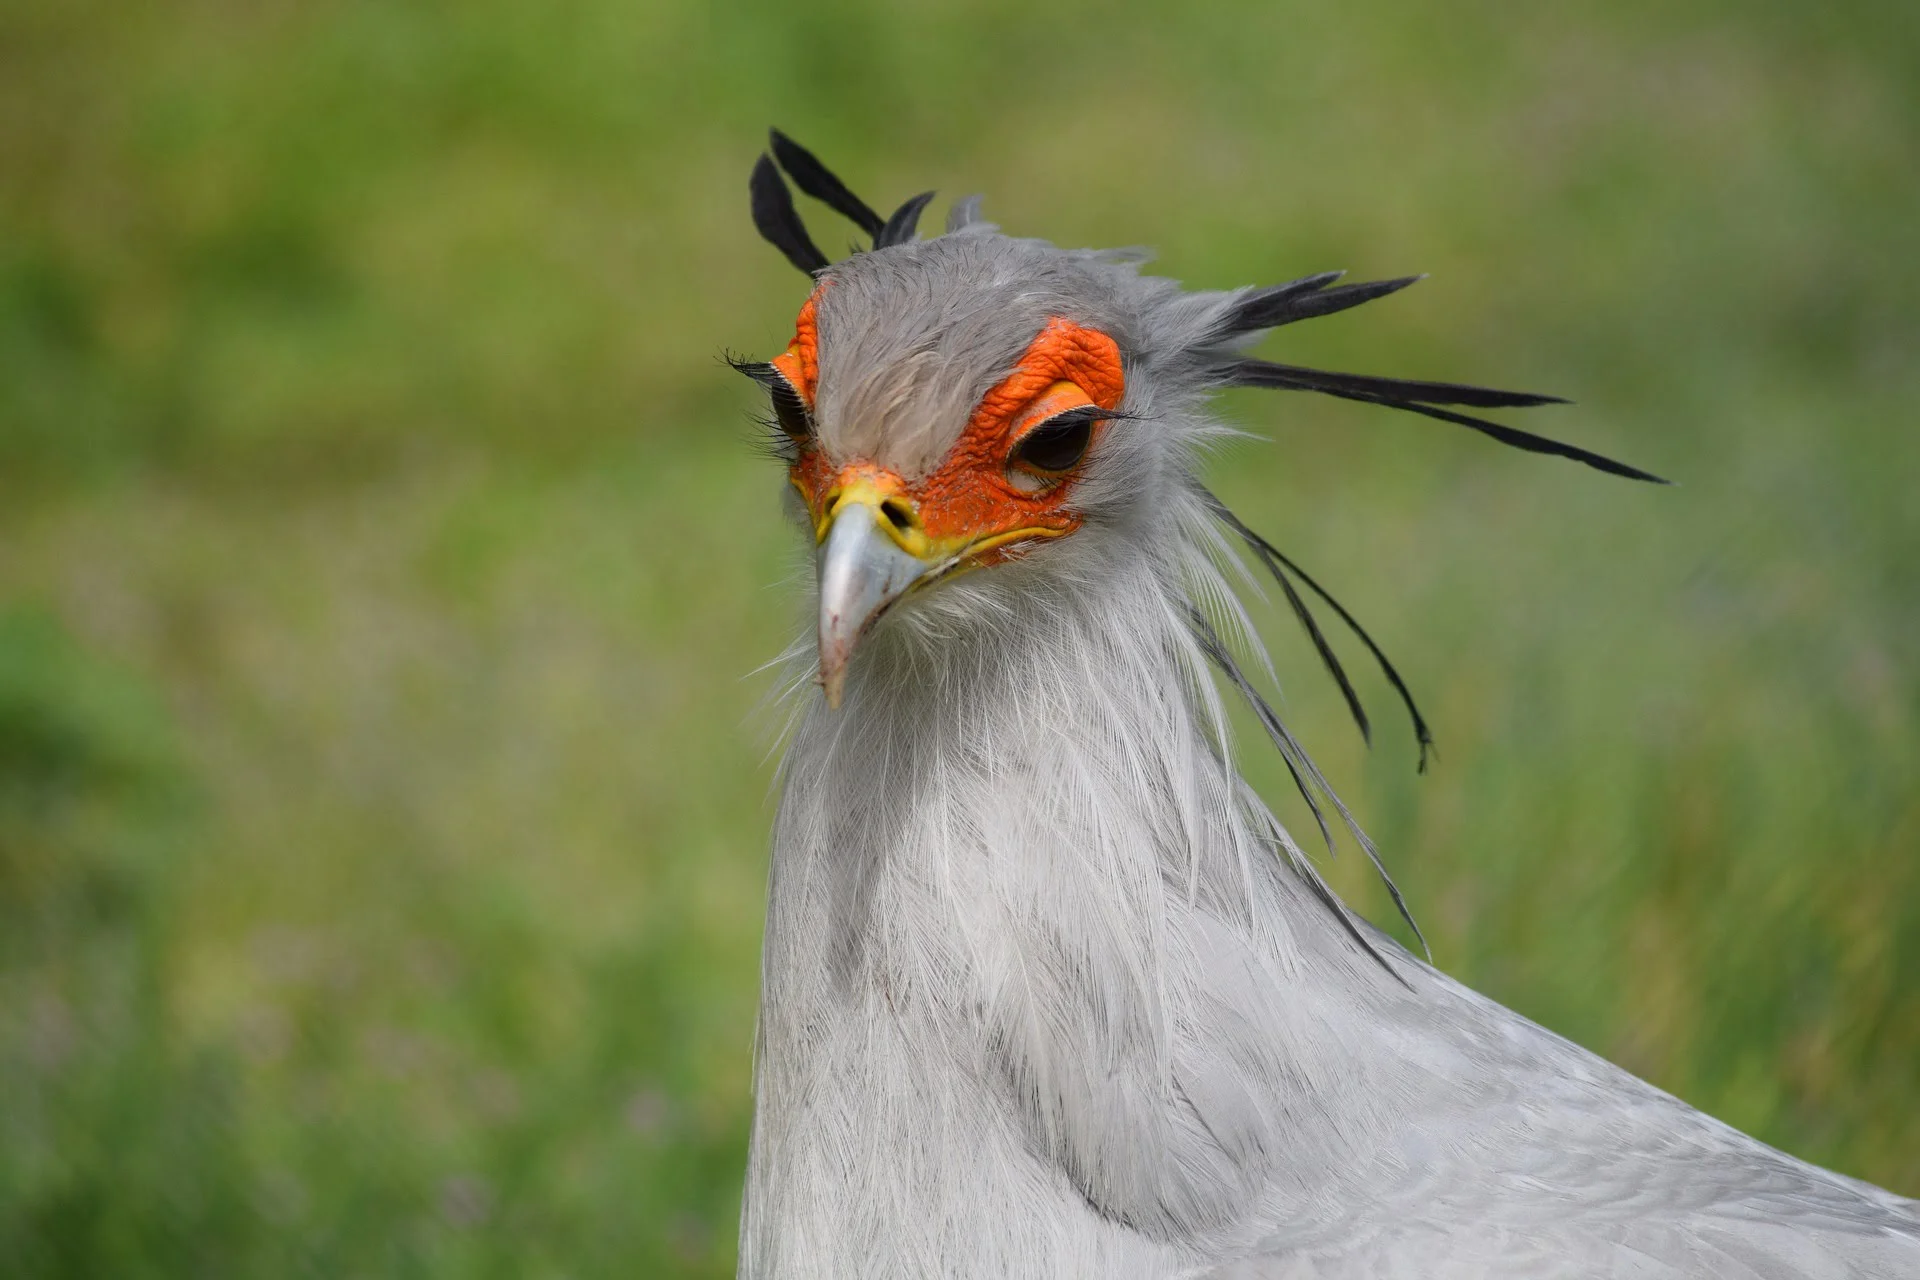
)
(863, 569)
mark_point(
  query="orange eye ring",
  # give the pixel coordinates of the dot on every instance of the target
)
(1051, 435)
(1008, 479)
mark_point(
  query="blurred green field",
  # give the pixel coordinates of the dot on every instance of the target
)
(384, 558)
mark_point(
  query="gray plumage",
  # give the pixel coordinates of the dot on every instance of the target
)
(1049, 992)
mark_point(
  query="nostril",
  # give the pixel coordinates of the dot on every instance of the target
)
(897, 514)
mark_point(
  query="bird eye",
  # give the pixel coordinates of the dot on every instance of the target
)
(790, 411)
(1055, 445)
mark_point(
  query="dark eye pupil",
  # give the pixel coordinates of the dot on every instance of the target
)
(1056, 446)
(792, 414)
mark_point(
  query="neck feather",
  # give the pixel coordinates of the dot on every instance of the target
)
(1017, 876)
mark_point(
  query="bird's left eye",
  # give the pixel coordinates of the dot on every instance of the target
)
(1057, 444)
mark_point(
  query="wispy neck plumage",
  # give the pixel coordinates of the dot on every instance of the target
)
(1022, 905)
(1043, 999)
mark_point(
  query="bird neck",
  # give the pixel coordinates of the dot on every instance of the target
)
(1015, 876)
(1055, 764)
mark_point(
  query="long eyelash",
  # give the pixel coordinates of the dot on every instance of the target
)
(785, 397)
(1087, 413)
(770, 377)
(759, 370)
(770, 439)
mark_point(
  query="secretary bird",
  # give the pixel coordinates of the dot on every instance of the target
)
(1047, 990)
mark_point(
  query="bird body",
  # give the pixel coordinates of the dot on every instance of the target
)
(1047, 989)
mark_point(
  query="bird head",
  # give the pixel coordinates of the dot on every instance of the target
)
(999, 409)
(953, 405)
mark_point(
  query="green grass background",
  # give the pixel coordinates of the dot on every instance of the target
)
(383, 558)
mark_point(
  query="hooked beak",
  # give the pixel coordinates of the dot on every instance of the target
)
(872, 551)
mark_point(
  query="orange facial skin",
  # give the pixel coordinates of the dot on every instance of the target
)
(977, 506)
(799, 364)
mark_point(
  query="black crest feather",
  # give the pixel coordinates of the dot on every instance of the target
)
(1303, 299)
(1402, 388)
(1421, 397)
(777, 220)
(819, 182)
(1284, 570)
(1313, 786)
(904, 223)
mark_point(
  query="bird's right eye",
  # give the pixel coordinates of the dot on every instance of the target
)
(789, 410)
